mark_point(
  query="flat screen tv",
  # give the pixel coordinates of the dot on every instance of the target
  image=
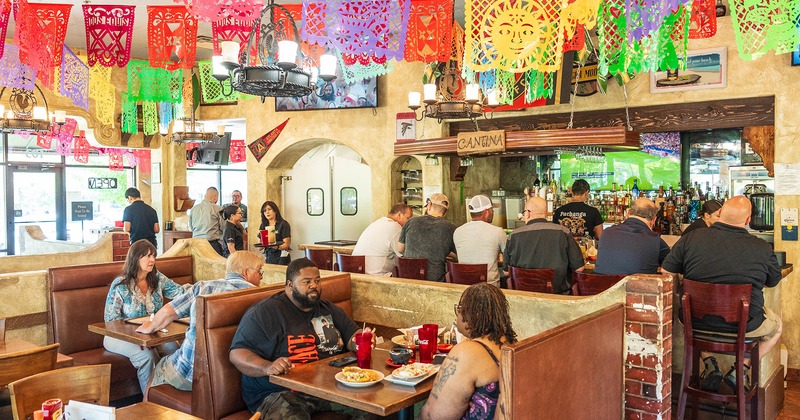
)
(337, 94)
(215, 153)
(649, 170)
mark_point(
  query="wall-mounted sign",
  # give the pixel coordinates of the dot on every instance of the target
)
(406, 126)
(102, 183)
(472, 143)
(82, 210)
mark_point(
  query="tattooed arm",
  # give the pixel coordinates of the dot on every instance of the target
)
(454, 384)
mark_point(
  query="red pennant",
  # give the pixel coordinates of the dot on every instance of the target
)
(237, 151)
(171, 37)
(116, 160)
(80, 149)
(260, 147)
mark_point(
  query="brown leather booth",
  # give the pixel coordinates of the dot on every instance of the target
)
(77, 297)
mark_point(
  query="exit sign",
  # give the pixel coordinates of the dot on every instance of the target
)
(102, 183)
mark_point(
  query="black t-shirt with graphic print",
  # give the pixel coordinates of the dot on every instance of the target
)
(275, 328)
(578, 217)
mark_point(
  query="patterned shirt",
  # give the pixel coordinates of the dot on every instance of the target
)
(124, 303)
(183, 359)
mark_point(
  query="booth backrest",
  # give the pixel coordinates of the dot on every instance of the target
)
(337, 289)
(558, 374)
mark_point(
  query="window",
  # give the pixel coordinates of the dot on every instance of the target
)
(108, 203)
(224, 178)
(315, 201)
(348, 201)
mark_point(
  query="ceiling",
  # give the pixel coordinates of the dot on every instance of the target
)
(76, 35)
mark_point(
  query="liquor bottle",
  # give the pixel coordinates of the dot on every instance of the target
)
(550, 198)
(635, 190)
(660, 197)
(709, 195)
(694, 204)
(657, 222)
(665, 227)
(536, 182)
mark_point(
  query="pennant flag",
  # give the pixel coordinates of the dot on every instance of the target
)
(260, 147)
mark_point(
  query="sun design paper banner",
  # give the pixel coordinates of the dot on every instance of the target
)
(513, 35)
(704, 19)
(763, 25)
(74, 79)
(430, 31)
(115, 160)
(578, 16)
(40, 33)
(237, 153)
(13, 73)
(81, 149)
(5, 14)
(108, 34)
(171, 37)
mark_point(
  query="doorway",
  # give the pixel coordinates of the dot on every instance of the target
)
(34, 196)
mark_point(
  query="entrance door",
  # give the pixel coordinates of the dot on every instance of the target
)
(35, 197)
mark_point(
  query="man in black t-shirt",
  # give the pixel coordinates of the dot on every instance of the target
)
(140, 220)
(578, 216)
(284, 330)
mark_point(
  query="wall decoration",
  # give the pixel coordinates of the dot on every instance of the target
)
(260, 147)
(171, 37)
(13, 73)
(430, 31)
(155, 173)
(705, 69)
(237, 153)
(40, 33)
(74, 79)
(337, 94)
(108, 34)
(765, 25)
(796, 57)
(406, 126)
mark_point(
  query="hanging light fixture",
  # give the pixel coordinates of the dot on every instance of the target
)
(471, 107)
(191, 131)
(276, 73)
(25, 114)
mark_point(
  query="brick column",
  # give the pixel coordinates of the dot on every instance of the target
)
(120, 242)
(648, 339)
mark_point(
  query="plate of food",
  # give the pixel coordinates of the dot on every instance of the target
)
(412, 370)
(401, 340)
(356, 377)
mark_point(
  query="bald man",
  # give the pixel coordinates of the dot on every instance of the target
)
(727, 253)
(543, 244)
(632, 247)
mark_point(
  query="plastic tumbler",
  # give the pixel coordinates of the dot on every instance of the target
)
(364, 350)
(427, 342)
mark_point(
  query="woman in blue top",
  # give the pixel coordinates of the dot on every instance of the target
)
(468, 384)
(138, 291)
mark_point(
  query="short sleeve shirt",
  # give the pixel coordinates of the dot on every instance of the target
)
(275, 328)
(578, 218)
(431, 238)
(232, 235)
(124, 303)
(478, 242)
(142, 219)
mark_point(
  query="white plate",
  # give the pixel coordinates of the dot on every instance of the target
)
(397, 373)
(413, 381)
(340, 377)
(400, 340)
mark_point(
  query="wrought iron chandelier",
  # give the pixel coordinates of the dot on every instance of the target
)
(25, 114)
(191, 131)
(442, 108)
(276, 73)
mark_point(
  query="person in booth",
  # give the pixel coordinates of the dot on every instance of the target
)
(283, 330)
(468, 384)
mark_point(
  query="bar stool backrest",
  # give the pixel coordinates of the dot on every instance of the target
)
(350, 263)
(532, 279)
(412, 268)
(587, 284)
(322, 257)
(466, 273)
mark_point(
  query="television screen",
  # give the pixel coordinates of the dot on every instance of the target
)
(336, 94)
(215, 153)
(649, 170)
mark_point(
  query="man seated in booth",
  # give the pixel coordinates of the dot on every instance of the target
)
(632, 247)
(542, 244)
(378, 243)
(726, 253)
(242, 271)
(283, 330)
(430, 236)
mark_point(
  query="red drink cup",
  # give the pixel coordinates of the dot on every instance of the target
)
(364, 350)
(427, 342)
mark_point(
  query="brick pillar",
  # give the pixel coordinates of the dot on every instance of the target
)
(648, 339)
(120, 242)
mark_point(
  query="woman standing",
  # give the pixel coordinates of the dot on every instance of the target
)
(709, 214)
(233, 233)
(271, 216)
(139, 291)
(468, 384)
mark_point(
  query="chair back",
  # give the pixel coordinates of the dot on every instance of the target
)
(322, 257)
(587, 284)
(466, 273)
(412, 268)
(24, 363)
(532, 279)
(350, 263)
(729, 301)
(89, 384)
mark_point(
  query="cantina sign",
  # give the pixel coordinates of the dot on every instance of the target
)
(481, 142)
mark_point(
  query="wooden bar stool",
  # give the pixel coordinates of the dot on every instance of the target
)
(466, 273)
(531, 279)
(587, 284)
(732, 303)
(411, 268)
(349, 263)
(322, 257)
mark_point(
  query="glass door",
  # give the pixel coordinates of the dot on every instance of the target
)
(35, 197)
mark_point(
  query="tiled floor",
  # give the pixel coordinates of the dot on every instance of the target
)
(791, 402)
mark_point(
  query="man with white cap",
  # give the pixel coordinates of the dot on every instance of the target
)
(479, 241)
(430, 236)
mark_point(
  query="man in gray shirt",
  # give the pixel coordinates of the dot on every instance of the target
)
(479, 241)
(205, 220)
(430, 236)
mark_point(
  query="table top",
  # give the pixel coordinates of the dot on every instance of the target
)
(126, 331)
(384, 398)
(344, 249)
(148, 410)
(14, 345)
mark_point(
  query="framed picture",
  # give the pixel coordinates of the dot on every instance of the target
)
(796, 57)
(705, 69)
(334, 95)
(155, 174)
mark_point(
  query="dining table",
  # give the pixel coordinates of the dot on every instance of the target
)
(15, 345)
(126, 331)
(151, 411)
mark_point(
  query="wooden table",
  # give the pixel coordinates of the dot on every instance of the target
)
(126, 331)
(151, 411)
(384, 398)
(14, 345)
(345, 249)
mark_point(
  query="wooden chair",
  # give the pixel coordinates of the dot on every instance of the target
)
(531, 279)
(587, 284)
(18, 365)
(322, 257)
(466, 273)
(89, 384)
(411, 268)
(350, 263)
(732, 303)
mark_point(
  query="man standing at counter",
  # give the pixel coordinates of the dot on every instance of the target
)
(726, 253)
(479, 241)
(139, 219)
(578, 216)
(430, 236)
(378, 243)
(632, 247)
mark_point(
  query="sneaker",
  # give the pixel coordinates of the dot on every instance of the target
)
(711, 377)
(730, 378)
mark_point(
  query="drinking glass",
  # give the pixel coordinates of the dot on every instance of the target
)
(364, 350)
(427, 342)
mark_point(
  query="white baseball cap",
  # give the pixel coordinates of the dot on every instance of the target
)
(479, 203)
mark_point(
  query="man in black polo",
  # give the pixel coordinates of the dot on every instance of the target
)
(632, 247)
(726, 253)
(140, 220)
(579, 217)
(543, 244)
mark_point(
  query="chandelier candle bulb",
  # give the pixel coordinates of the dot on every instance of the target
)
(61, 117)
(220, 130)
(287, 54)
(9, 114)
(230, 51)
(429, 91)
(178, 126)
(327, 67)
(492, 98)
(472, 92)
(314, 74)
(217, 68)
(39, 113)
(413, 99)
